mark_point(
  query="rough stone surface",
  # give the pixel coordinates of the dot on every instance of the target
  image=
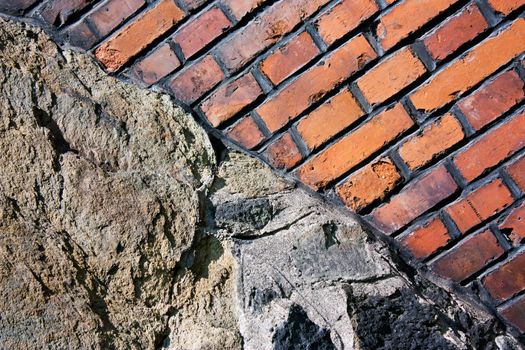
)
(121, 227)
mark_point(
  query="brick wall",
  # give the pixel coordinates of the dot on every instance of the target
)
(408, 112)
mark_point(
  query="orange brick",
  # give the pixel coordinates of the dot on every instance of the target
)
(369, 184)
(415, 199)
(283, 153)
(406, 18)
(515, 314)
(507, 280)
(427, 239)
(492, 148)
(288, 59)
(329, 119)
(355, 147)
(517, 172)
(391, 76)
(514, 225)
(456, 31)
(476, 65)
(230, 99)
(468, 257)
(157, 65)
(267, 29)
(315, 83)
(201, 31)
(247, 133)
(434, 140)
(240, 8)
(194, 81)
(479, 205)
(112, 14)
(343, 18)
(493, 99)
(506, 6)
(131, 40)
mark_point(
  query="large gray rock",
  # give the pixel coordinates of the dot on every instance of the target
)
(119, 230)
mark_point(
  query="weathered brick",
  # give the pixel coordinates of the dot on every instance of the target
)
(369, 184)
(230, 99)
(414, 200)
(57, 12)
(434, 140)
(390, 76)
(505, 7)
(406, 18)
(288, 59)
(343, 18)
(355, 147)
(479, 205)
(468, 257)
(328, 119)
(427, 239)
(247, 133)
(492, 148)
(240, 8)
(477, 64)
(132, 39)
(493, 99)
(193, 4)
(81, 35)
(315, 83)
(270, 26)
(507, 280)
(517, 172)
(194, 81)
(109, 16)
(454, 32)
(283, 153)
(514, 225)
(16, 7)
(515, 314)
(157, 65)
(201, 31)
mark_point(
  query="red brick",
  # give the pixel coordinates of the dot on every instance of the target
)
(517, 172)
(240, 8)
(132, 39)
(288, 59)
(507, 280)
(283, 153)
(16, 7)
(406, 18)
(506, 6)
(417, 198)
(492, 148)
(81, 35)
(514, 225)
(515, 314)
(493, 99)
(193, 4)
(343, 18)
(230, 99)
(247, 133)
(456, 31)
(157, 65)
(369, 184)
(109, 16)
(194, 81)
(328, 119)
(479, 205)
(481, 61)
(468, 257)
(315, 83)
(355, 147)
(390, 76)
(201, 31)
(433, 141)
(57, 12)
(427, 239)
(268, 28)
